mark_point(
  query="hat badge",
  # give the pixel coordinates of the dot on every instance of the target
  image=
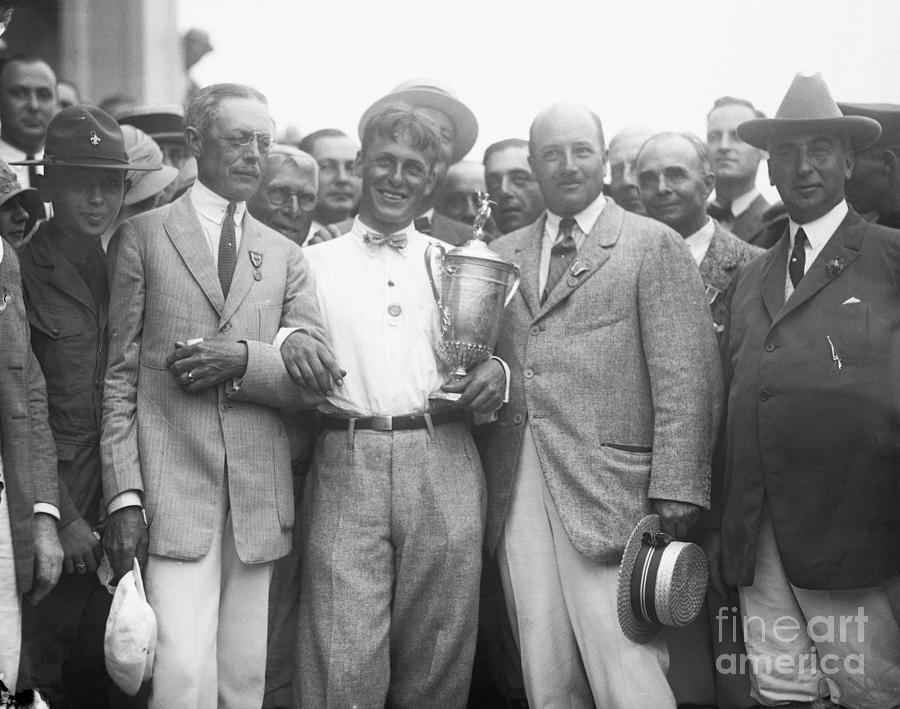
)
(95, 139)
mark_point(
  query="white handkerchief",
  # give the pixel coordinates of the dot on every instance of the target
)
(850, 300)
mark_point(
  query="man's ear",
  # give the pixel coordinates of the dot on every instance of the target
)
(127, 187)
(357, 164)
(889, 161)
(44, 185)
(710, 182)
(194, 141)
(769, 166)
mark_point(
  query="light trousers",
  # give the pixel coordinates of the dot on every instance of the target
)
(10, 603)
(562, 607)
(803, 644)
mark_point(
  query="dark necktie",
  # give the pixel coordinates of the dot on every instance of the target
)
(227, 250)
(561, 255)
(797, 262)
(720, 211)
(32, 171)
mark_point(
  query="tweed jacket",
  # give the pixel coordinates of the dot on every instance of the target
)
(812, 412)
(617, 375)
(726, 254)
(29, 458)
(172, 445)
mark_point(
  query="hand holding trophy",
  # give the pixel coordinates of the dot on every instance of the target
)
(472, 288)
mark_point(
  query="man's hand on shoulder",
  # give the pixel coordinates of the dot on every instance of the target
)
(124, 539)
(676, 518)
(48, 557)
(207, 362)
(311, 363)
(482, 389)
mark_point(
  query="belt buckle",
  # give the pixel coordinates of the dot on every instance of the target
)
(382, 423)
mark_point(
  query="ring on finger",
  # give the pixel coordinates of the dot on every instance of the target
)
(190, 376)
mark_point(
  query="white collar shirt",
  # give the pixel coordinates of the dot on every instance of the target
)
(211, 208)
(382, 321)
(818, 232)
(10, 153)
(699, 241)
(584, 223)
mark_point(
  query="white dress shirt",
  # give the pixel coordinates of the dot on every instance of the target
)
(210, 209)
(44, 507)
(818, 232)
(584, 222)
(699, 241)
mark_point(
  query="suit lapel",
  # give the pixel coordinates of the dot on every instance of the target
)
(717, 265)
(244, 269)
(843, 247)
(184, 229)
(590, 257)
(528, 257)
(773, 276)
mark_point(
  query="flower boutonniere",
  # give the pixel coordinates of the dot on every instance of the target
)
(834, 267)
(5, 300)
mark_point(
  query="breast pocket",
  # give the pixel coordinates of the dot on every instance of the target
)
(848, 334)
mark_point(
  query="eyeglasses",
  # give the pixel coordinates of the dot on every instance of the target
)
(246, 137)
(279, 196)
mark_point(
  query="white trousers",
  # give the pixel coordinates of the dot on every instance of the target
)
(10, 603)
(562, 608)
(212, 616)
(803, 644)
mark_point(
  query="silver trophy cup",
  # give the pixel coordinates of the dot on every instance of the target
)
(472, 287)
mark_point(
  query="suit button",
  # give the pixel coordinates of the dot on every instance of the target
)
(226, 327)
(764, 395)
(572, 282)
(518, 418)
(535, 330)
(770, 347)
(529, 373)
(54, 330)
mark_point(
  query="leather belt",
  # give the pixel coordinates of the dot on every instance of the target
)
(392, 423)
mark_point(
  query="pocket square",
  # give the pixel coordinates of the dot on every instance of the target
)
(851, 300)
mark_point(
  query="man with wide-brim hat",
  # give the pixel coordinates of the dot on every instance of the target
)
(805, 493)
(874, 186)
(64, 282)
(456, 124)
(21, 209)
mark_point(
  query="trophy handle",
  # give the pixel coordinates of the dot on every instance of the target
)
(514, 288)
(436, 292)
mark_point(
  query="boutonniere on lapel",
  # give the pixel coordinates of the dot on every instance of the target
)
(6, 299)
(256, 259)
(834, 267)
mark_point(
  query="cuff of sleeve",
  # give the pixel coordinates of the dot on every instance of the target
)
(506, 371)
(47, 509)
(129, 498)
(284, 333)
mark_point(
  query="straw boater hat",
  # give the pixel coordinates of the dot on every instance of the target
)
(430, 93)
(661, 582)
(85, 136)
(162, 122)
(808, 107)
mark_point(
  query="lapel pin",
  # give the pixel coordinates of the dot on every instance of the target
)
(256, 259)
(580, 267)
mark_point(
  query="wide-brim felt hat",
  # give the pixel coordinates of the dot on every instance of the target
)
(160, 122)
(429, 93)
(662, 581)
(84, 136)
(808, 107)
(887, 115)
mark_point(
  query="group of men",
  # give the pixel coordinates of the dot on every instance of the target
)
(655, 359)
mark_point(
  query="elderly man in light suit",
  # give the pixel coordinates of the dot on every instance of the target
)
(189, 431)
(612, 412)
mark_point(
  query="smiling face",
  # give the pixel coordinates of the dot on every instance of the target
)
(85, 200)
(395, 179)
(809, 172)
(230, 150)
(568, 158)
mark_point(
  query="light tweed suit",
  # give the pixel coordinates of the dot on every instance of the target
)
(172, 445)
(617, 381)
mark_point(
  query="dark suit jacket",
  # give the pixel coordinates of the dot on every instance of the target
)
(617, 375)
(748, 223)
(810, 429)
(68, 335)
(726, 254)
(29, 459)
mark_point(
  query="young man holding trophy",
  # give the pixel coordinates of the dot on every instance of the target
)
(394, 505)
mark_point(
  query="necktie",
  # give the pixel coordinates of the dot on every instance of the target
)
(32, 171)
(561, 255)
(227, 249)
(720, 211)
(395, 241)
(797, 262)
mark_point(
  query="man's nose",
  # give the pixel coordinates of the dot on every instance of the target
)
(471, 208)
(292, 206)
(629, 177)
(568, 160)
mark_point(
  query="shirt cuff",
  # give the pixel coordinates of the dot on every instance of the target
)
(506, 370)
(47, 509)
(284, 333)
(129, 498)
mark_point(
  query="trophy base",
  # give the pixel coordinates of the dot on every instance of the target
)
(443, 396)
